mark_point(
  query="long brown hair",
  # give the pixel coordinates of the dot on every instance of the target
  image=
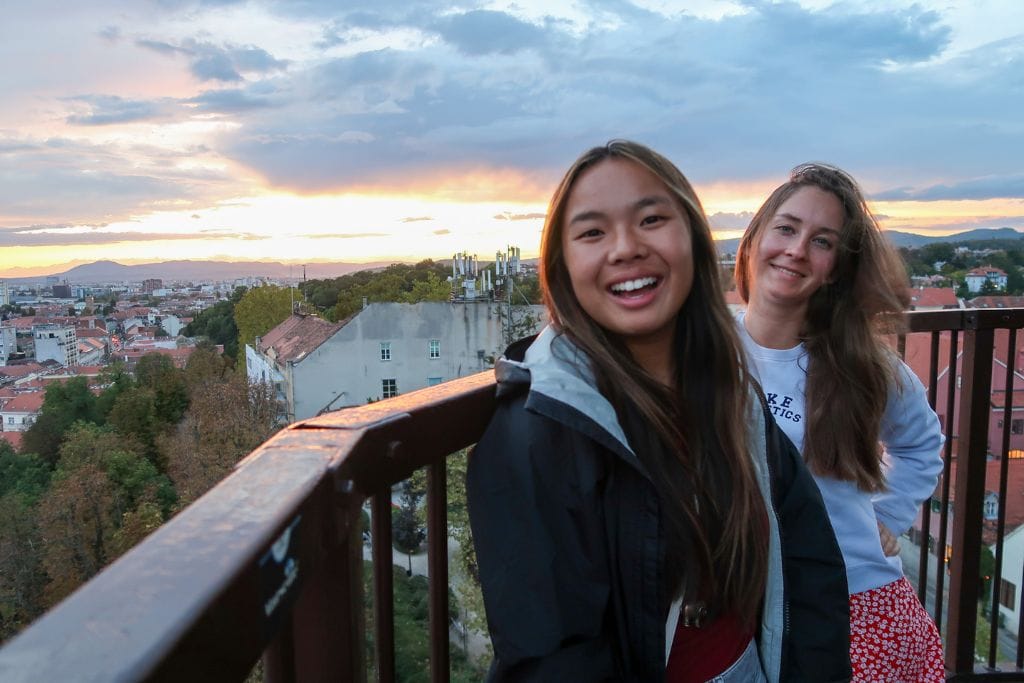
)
(850, 368)
(713, 512)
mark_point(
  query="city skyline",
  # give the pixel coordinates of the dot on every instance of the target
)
(312, 131)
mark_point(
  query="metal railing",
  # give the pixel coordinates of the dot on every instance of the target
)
(269, 562)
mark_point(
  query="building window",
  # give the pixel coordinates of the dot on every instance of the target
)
(1007, 594)
(385, 350)
(991, 507)
(389, 387)
(10, 420)
(435, 348)
(433, 381)
(1017, 426)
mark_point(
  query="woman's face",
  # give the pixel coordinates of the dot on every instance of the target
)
(796, 250)
(628, 250)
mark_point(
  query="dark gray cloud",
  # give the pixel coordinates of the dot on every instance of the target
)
(235, 100)
(990, 187)
(210, 62)
(110, 33)
(110, 109)
(482, 32)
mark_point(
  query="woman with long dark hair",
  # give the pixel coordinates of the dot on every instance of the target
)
(823, 288)
(627, 497)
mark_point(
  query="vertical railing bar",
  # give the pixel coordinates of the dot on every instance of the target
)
(1001, 515)
(947, 462)
(926, 508)
(901, 345)
(383, 586)
(972, 451)
(437, 559)
(1020, 621)
(279, 657)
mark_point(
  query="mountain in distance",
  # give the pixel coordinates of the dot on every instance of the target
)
(913, 240)
(198, 271)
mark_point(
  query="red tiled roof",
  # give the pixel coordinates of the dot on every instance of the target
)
(13, 438)
(983, 271)
(31, 402)
(20, 370)
(297, 336)
(996, 302)
(933, 296)
(24, 323)
(92, 332)
(1014, 492)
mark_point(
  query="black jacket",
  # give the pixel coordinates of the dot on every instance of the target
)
(569, 545)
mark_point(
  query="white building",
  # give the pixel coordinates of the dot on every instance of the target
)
(1009, 586)
(8, 343)
(977, 277)
(5, 294)
(384, 350)
(56, 342)
(18, 414)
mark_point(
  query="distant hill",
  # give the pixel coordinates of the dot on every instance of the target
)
(197, 271)
(909, 239)
(912, 240)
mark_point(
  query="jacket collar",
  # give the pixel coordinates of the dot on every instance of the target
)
(554, 367)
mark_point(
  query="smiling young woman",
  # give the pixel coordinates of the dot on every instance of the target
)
(628, 495)
(823, 286)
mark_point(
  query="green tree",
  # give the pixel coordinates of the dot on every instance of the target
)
(408, 529)
(100, 480)
(205, 365)
(25, 475)
(156, 371)
(217, 324)
(134, 415)
(224, 422)
(259, 311)
(22, 579)
(432, 288)
(63, 404)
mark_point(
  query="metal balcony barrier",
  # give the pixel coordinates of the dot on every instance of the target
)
(269, 562)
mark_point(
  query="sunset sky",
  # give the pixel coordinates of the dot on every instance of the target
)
(310, 130)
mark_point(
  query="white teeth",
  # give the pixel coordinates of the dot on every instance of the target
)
(788, 271)
(630, 285)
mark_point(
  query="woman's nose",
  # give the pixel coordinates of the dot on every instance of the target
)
(626, 246)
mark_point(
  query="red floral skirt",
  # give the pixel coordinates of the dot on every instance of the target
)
(892, 637)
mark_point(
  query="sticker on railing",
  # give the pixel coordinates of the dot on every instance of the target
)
(279, 572)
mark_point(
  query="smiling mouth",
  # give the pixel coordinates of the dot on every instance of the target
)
(787, 271)
(634, 287)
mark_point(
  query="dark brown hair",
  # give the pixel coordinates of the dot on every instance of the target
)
(850, 368)
(713, 511)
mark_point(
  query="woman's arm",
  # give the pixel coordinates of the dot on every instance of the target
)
(539, 538)
(912, 438)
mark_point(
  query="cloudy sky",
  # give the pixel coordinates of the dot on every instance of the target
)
(304, 130)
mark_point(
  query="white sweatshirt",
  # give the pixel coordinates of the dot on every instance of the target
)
(912, 460)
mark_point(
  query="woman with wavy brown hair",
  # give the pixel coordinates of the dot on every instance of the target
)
(627, 496)
(823, 287)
